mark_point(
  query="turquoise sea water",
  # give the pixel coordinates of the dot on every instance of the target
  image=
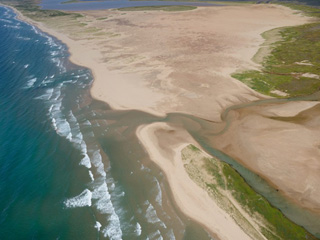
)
(71, 168)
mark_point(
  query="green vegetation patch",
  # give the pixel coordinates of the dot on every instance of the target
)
(293, 67)
(34, 12)
(159, 8)
(222, 181)
(102, 18)
(255, 203)
(70, 1)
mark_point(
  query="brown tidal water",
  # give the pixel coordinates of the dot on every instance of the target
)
(128, 161)
(140, 192)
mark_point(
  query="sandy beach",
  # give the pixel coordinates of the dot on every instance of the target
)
(164, 144)
(141, 60)
(162, 62)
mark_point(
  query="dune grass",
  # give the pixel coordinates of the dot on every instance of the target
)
(34, 12)
(293, 66)
(221, 181)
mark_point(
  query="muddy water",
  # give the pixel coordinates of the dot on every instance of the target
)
(203, 131)
(123, 149)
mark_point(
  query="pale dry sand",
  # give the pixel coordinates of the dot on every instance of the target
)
(164, 62)
(182, 61)
(164, 144)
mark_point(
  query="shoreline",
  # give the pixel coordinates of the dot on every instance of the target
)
(75, 50)
(98, 69)
(189, 197)
(143, 82)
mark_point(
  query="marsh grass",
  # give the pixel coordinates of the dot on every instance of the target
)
(224, 180)
(34, 12)
(282, 69)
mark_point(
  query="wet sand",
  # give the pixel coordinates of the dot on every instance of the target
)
(164, 144)
(163, 62)
(280, 142)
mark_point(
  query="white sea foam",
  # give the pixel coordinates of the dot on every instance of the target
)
(11, 26)
(46, 81)
(77, 138)
(159, 193)
(55, 110)
(57, 90)
(35, 29)
(97, 226)
(83, 147)
(87, 123)
(70, 81)
(144, 168)
(105, 206)
(121, 194)
(155, 235)
(170, 235)
(138, 229)
(47, 95)
(91, 176)
(58, 63)
(63, 128)
(61, 124)
(82, 200)
(5, 20)
(30, 83)
(97, 162)
(24, 38)
(50, 41)
(53, 120)
(85, 161)
(151, 215)
(50, 108)
(54, 53)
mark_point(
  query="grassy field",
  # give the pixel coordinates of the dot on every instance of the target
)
(74, 24)
(293, 65)
(159, 8)
(226, 186)
(34, 12)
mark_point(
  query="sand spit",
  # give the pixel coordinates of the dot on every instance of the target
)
(164, 144)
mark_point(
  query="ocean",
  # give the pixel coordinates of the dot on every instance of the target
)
(70, 167)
